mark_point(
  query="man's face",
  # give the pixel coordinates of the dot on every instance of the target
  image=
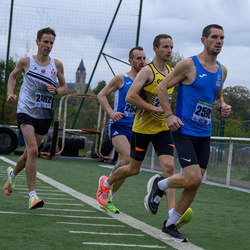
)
(45, 45)
(139, 59)
(214, 42)
(164, 51)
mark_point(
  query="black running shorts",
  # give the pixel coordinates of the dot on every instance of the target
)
(162, 143)
(41, 126)
(192, 150)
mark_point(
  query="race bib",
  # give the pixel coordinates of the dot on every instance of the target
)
(203, 112)
(43, 99)
(130, 110)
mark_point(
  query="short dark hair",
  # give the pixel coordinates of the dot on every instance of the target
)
(47, 30)
(207, 30)
(157, 39)
(132, 51)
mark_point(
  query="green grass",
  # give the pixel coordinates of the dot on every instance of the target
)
(220, 218)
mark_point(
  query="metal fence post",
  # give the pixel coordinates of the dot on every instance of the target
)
(229, 163)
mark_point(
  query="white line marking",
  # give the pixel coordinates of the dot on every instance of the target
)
(122, 245)
(65, 204)
(50, 194)
(39, 190)
(57, 215)
(57, 198)
(89, 224)
(68, 210)
(101, 233)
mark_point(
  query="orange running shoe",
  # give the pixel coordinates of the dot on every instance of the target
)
(35, 202)
(10, 183)
(102, 194)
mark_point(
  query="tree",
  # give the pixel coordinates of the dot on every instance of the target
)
(8, 117)
(99, 87)
(239, 98)
(238, 123)
(175, 58)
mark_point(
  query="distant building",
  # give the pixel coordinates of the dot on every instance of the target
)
(80, 78)
(79, 85)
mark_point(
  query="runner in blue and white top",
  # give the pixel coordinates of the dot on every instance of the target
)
(120, 105)
(121, 113)
(200, 80)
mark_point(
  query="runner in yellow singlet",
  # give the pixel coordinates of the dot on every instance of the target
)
(150, 125)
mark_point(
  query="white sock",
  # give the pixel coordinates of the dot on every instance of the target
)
(106, 184)
(12, 175)
(173, 218)
(170, 212)
(32, 192)
(163, 184)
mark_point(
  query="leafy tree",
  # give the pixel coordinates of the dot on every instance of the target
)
(99, 87)
(239, 98)
(6, 109)
(233, 128)
(175, 58)
(238, 123)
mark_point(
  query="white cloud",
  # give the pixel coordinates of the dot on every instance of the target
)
(82, 25)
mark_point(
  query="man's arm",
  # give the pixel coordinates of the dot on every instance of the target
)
(115, 83)
(20, 67)
(181, 73)
(145, 75)
(219, 103)
(61, 79)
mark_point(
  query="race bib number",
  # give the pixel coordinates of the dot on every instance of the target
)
(130, 110)
(43, 99)
(203, 112)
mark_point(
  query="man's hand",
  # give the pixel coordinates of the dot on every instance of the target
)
(174, 122)
(51, 89)
(116, 116)
(11, 98)
(225, 110)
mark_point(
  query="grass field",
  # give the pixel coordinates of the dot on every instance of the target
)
(72, 219)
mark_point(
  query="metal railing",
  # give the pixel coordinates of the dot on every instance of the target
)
(229, 161)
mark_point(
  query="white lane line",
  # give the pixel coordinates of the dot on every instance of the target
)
(89, 224)
(57, 198)
(65, 204)
(58, 215)
(102, 233)
(68, 210)
(129, 220)
(50, 194)
(122, 245)
(40, 190)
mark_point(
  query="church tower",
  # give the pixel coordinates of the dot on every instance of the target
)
(80, 78)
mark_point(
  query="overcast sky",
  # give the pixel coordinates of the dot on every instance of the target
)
(79, 22)
(184, 21)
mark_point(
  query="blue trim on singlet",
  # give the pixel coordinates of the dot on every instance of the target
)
(120, 105)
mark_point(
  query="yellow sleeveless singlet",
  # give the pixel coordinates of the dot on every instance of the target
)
(148, 122)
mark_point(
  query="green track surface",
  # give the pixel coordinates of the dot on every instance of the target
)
(220, 219)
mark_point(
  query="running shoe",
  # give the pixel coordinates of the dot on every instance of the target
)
(185, 218)
(35, 202)
(102, 192)
(171, 233)
(111, 206)
(153, 198)
(10, 183)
